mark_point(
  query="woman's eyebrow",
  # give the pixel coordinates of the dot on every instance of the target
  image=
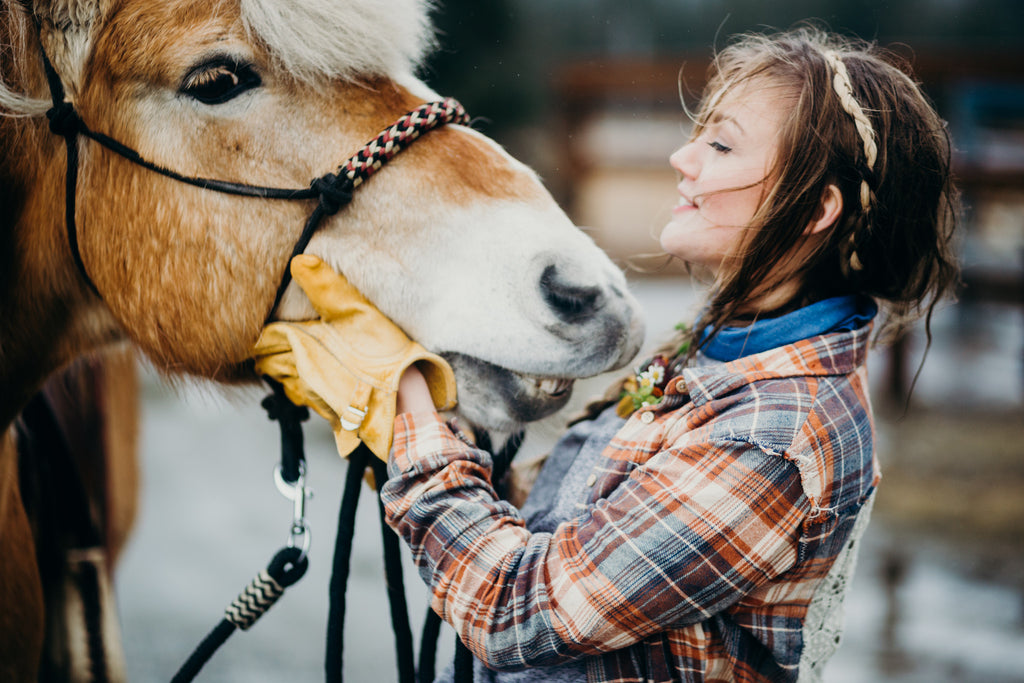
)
(720, 119)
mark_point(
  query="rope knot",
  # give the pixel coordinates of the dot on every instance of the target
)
(335, 192)
(281, 409)
(259, 596)
(64, 119)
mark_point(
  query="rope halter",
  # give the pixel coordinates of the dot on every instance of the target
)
(332, 190)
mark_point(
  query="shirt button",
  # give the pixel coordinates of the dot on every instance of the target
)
(591, 480)
(681, 385)
(647, 417)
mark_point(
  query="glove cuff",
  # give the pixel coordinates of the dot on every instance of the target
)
(438, 375)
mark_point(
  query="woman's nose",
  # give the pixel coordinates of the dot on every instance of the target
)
(685, 161)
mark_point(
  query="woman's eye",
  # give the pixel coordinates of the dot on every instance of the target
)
(719, 147)
(219, 81)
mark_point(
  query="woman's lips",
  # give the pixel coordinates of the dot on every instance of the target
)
(683, 206)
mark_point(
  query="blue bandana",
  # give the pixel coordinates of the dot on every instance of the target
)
(839, 314)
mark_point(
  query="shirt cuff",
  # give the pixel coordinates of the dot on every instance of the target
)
(419, 436)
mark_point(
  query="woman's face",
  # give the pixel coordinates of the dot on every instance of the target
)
(723, 175)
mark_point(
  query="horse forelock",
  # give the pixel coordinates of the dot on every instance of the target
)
(329, 39)
(312, 41)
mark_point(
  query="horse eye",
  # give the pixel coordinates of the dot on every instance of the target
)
(219, 81)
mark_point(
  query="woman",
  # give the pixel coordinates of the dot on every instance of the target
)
(702, 524)
(711, 534)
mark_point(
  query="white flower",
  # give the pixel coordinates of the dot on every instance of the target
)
(656, 373)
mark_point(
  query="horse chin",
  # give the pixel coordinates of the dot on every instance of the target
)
(501, 400)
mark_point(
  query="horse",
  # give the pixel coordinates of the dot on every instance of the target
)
(456, 241)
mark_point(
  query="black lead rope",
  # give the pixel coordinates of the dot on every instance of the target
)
(358, 461)
(290, 563)
(395, 584)
(287, 566)
(290, 418)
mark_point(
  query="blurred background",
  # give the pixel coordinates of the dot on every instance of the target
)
(589, 93)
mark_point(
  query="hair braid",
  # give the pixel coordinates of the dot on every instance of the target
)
(844, 90)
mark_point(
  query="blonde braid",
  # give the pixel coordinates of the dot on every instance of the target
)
(844, 89)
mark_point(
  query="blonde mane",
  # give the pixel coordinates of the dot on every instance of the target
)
(13, 103)
(332, 39)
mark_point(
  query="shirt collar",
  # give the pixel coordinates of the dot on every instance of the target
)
(841, 313)
(834, 353)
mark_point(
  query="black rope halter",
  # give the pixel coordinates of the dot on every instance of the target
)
(333, 192)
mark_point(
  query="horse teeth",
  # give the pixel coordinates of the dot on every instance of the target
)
(554, 387)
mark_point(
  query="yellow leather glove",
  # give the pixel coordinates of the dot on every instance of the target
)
(346, 366)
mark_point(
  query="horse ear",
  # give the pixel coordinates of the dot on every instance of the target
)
(67, 28)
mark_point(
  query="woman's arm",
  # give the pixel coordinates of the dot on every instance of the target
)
(685, 536)
(413, 393)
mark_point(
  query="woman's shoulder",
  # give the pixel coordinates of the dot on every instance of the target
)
(821, 426)
(783, 402)
(814, 421)
(783, 383)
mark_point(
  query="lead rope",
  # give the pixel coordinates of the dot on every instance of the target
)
(289, 564)
(287, 567)
(358, 461)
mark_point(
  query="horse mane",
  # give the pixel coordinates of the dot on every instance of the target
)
(19, 32)
(313, 41)
(331, 39)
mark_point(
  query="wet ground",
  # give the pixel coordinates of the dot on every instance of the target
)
(938, 596)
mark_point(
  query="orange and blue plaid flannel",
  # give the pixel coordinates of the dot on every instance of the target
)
(712, 522)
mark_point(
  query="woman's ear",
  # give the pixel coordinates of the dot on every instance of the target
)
(828, 212)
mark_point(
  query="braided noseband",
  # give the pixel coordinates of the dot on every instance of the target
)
(333, 190)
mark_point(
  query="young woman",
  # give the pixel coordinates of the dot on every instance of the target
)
(704, 526)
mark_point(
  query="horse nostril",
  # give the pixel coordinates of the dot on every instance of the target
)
(570, 302)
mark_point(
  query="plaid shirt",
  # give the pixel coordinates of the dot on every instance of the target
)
(712, 522)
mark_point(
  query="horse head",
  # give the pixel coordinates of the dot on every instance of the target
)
(456, 241)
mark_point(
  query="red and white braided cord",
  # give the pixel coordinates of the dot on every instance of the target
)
(397, 137)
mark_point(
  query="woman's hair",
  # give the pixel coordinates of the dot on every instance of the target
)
(860, 122)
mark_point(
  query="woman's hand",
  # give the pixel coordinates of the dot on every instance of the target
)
(347, 364)
(413, 392)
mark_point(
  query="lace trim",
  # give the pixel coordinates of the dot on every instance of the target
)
(823, 626)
